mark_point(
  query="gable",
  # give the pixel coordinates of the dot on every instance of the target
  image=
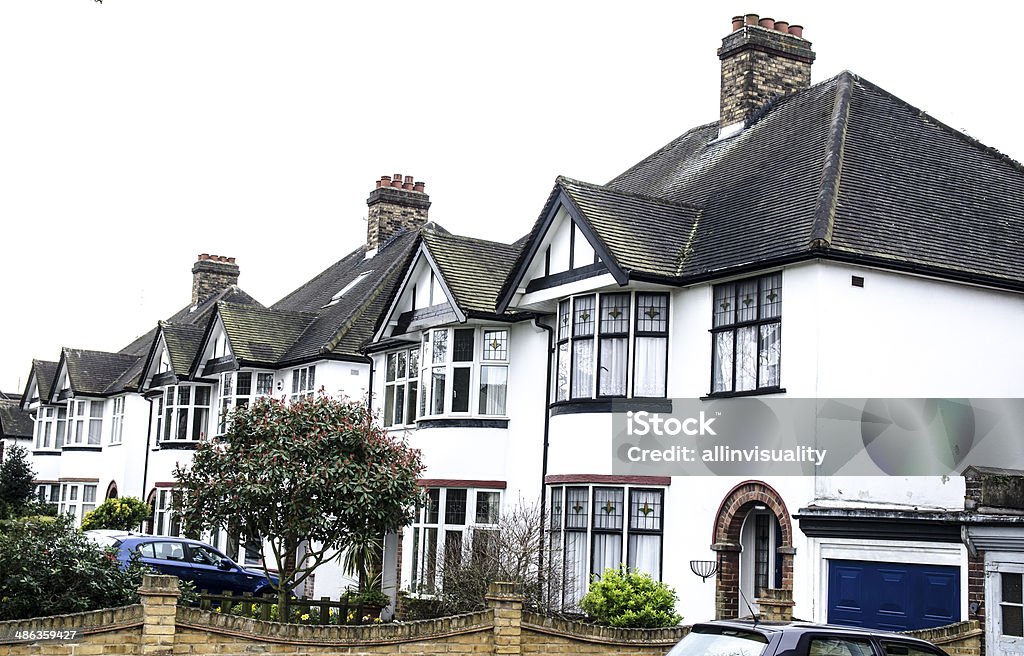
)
(215, 354)
(423, 299)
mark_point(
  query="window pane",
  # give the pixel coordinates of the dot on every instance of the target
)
(410, 411)
(228, 387)
(460, 389)
(452, 548)
(423, 394)
(563, 320)
(650, 373)
(487, 507)
(200, 415)
(607, 508)
(414, 584)
(1011, 588)
(722, 367)
(244, 383)
(295, 382)
(203, 396)
(89, 494)
(725, 310)
(399, 405)
(182, 432)
(463, 348)
(401, 366)
(746, 301)
(575, 567)
(264, 384)
(72, 493)
(645, 510)
(455, 506)
(433, 506)
(440, 346)
(389, 404)
(771, 296)
(746, 358)
(583, 316)
(645, 554)
(437, 391)
(611, 374)
(652, 313)
(576, 507)
(302, 380)
(562, 383)
(614, 313)
(392, 367)
(493, 383)
(556, 507)
(95, 430)
(495, 345)
(607, 552)
(184, 395)
(429, 559)
(582, 368)
(414, 362)
(312, 378)
(96, 409)
(1013, 620)
(768, 357)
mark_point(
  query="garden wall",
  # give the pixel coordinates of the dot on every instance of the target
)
(158, 626)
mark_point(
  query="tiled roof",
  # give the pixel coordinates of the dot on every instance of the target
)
(260, 335)
(843, 169)
(183, 342)
(473, 269)
(96, 372)
(14, 422)
(45, 371)
(342, 327)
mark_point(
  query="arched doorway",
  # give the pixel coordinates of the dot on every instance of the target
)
(111, 491)
(753, 536)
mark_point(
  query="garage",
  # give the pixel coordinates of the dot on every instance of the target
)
(892, 596)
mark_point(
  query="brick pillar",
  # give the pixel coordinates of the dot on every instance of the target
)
(775, 605)
(159, 595)
(727, 583)
(507, 603)
(976, 591)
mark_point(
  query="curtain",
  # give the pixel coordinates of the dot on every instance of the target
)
(575, 567)
(651, 363)
(493, 381)
(582, 368)
(769, 355)
(607, 552)
(612, 373)
(722, 370)
(645, 554)
(746, 358)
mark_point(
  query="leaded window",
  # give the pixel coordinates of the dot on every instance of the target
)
(747, 335)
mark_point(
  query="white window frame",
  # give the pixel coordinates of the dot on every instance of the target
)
(303, 383)
(196, 415)
(85, 422)
(165, 522)
(77, 499)
(117, 420)
(401, 378)
(426, 565)
(558, 527)
(570, 334)
(46, 423)
(435, 366)
(226, 402)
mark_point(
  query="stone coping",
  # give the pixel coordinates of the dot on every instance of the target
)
(94, 621)
(608, 635)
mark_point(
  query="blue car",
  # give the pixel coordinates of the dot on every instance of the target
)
(191, 560)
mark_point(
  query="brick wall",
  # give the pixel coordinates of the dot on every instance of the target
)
(158, 627)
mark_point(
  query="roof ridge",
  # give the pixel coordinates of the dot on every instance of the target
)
(629, 194)
(452, 235)
(832, 171)
(944, 126)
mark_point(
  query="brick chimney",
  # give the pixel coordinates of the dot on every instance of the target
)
(396, 203)
(761, 58)
(211, 274)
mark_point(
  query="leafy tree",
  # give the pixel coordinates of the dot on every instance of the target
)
(16, 487)
(124, 513)
(317, 470)
(628, 598)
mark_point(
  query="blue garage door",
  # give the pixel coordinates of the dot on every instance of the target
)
(892, 596)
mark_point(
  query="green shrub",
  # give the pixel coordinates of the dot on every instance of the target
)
(16, 483)
(125, 514)
(627, 598)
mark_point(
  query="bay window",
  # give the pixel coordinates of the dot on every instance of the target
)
(402, 369)
(746, 335)
(186, 413)
(593, 528)
(239, 388)
(464, 371)
(86, 422)
(45, 422)
(453, 523)
(601, 335)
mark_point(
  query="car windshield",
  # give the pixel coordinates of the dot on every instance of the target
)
(726, 642)
(104, 540)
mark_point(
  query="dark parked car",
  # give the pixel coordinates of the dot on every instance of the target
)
(747, 638)
(187, 559)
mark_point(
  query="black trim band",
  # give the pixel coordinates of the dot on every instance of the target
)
(603, 406)
(468, 422)
(177, 445)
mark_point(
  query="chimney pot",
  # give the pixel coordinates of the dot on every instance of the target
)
(751, 19)
(407, 185)
(397, 183)
(782, 26)
(419, 186)
(767, 23)
(737, 22)
(397, 176)
(408, 179)
(231, 260)
(204, 256)
(797, 30)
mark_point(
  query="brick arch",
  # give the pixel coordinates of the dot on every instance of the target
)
(726, 540)
(111, 490)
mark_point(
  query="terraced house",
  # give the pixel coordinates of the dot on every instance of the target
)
(815, 241)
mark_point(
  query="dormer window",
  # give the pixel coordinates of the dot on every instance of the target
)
(347, 288)
(612, 345)
(186, 413)
(86, 425)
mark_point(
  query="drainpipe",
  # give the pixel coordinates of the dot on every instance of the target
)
(547, 423)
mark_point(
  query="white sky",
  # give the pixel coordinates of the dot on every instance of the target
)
(136, 134)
